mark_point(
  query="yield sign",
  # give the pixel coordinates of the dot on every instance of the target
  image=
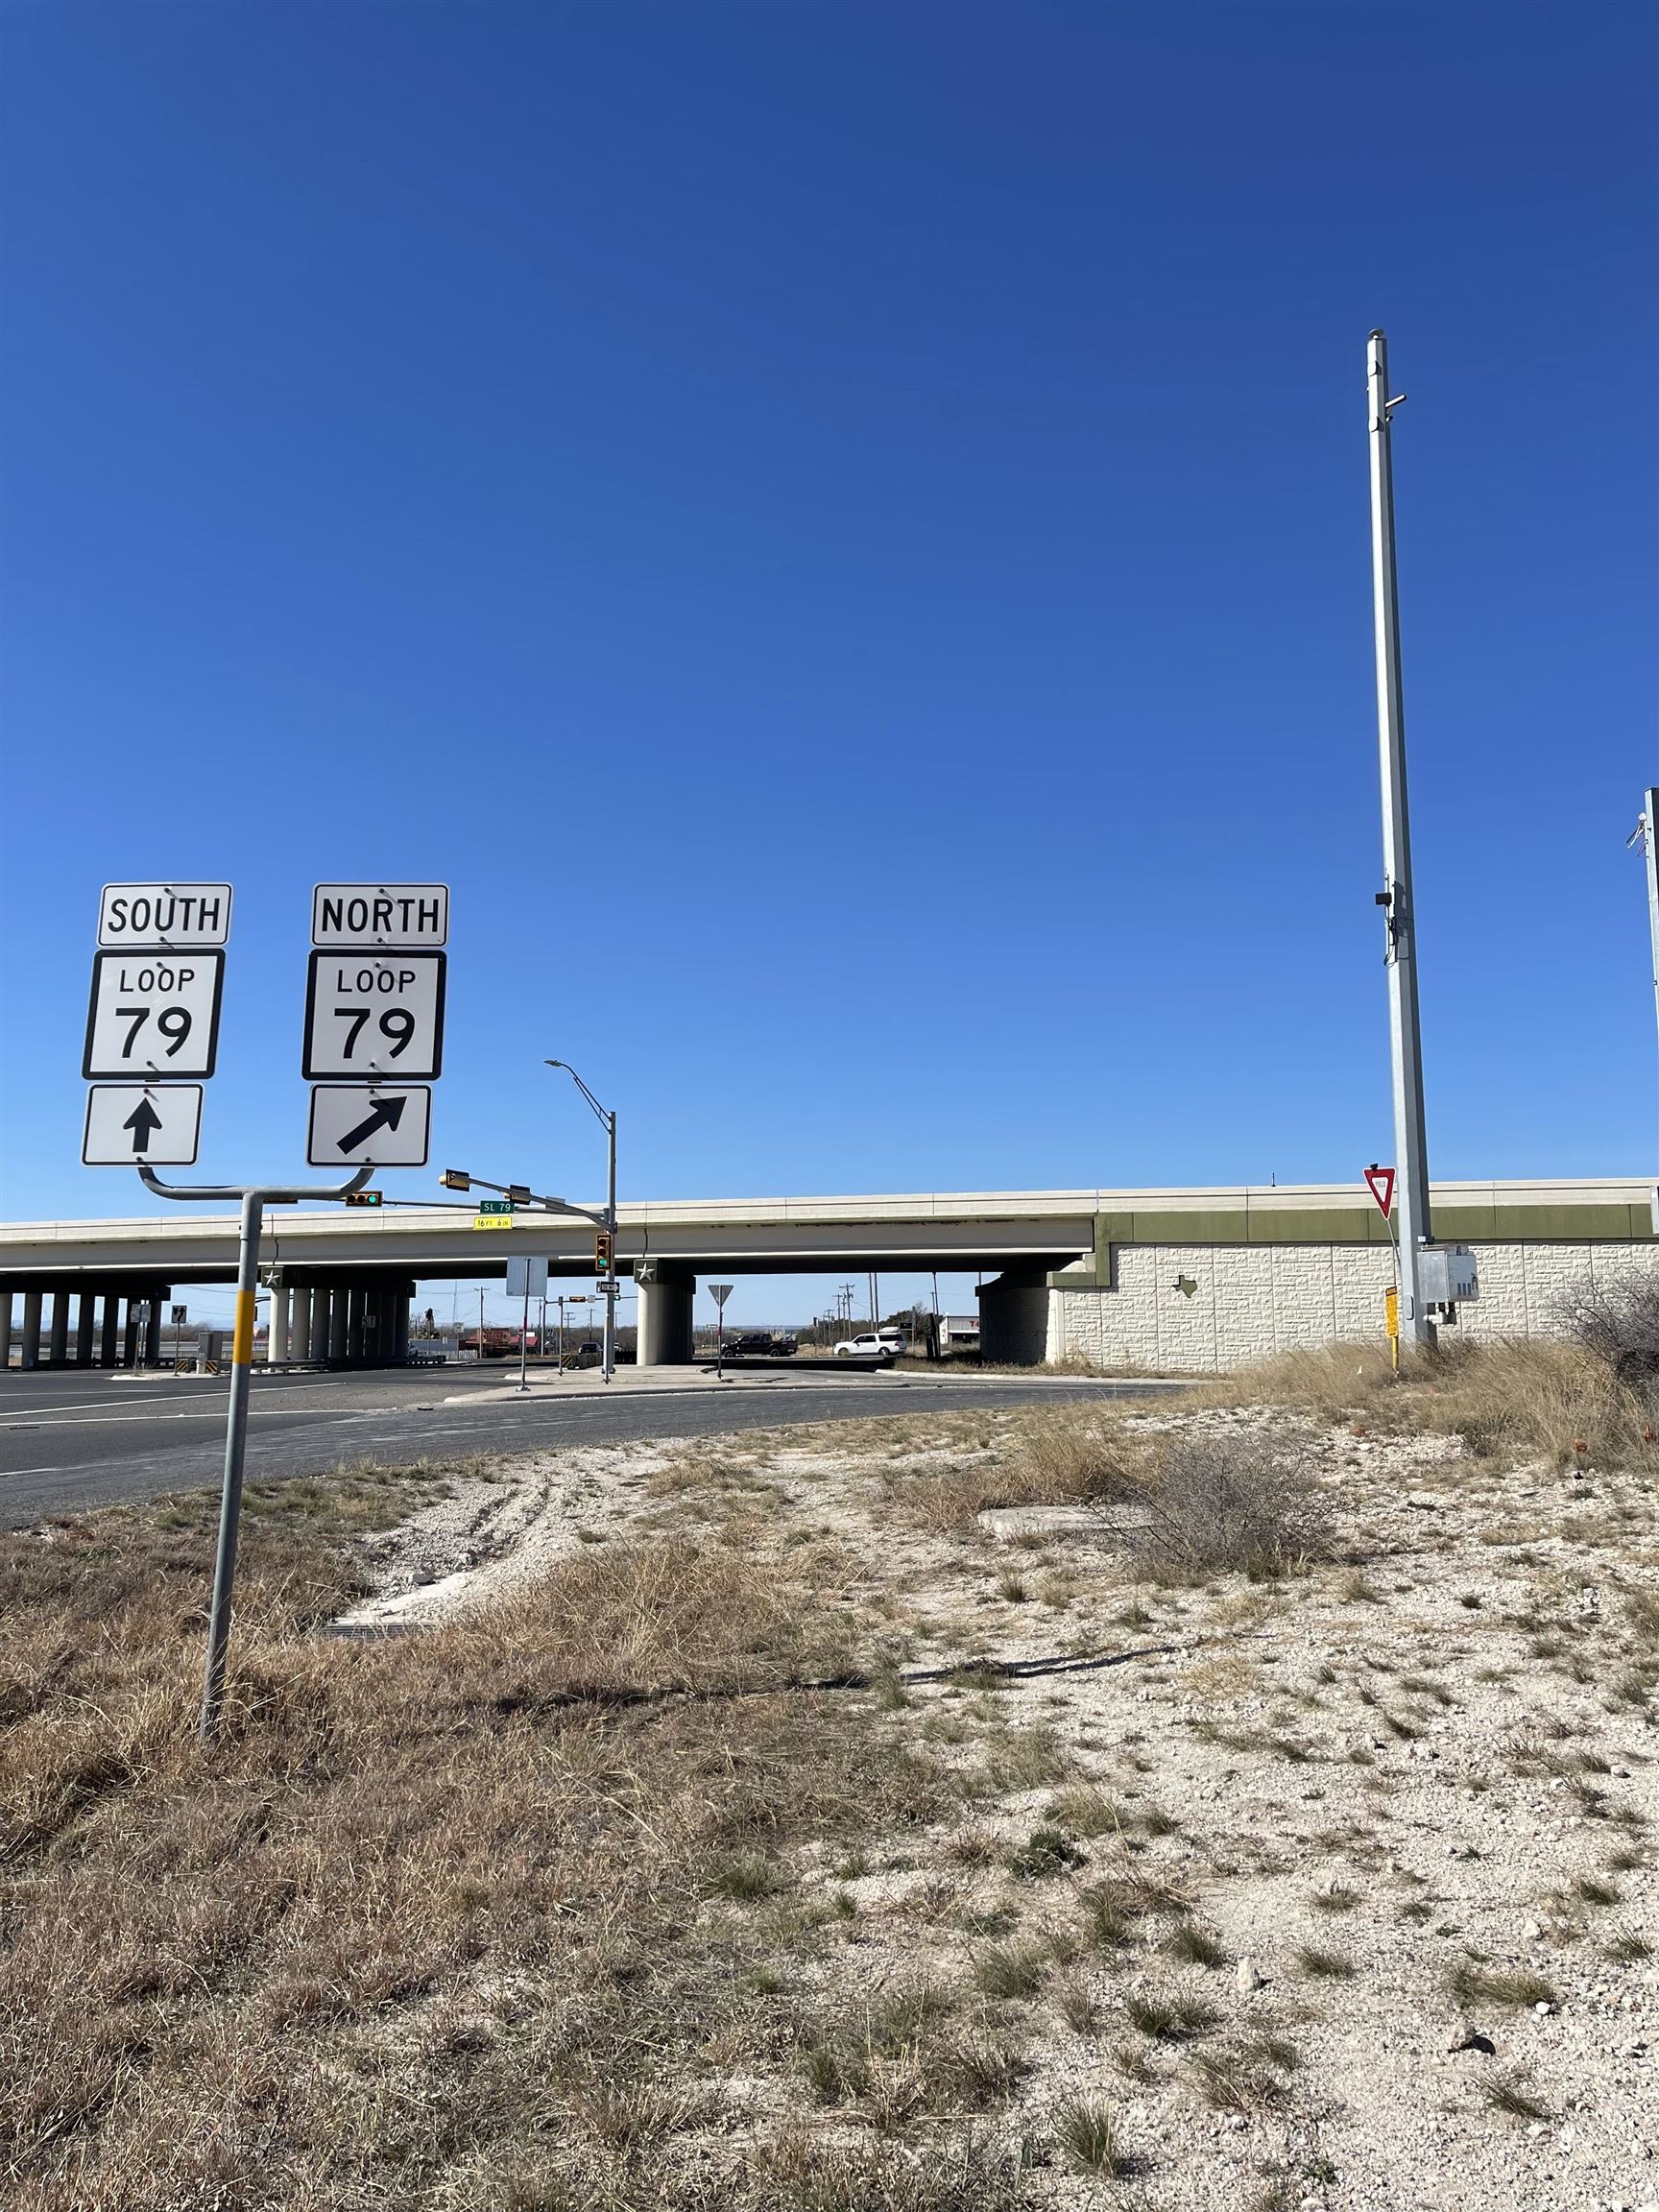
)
(1381, 1183)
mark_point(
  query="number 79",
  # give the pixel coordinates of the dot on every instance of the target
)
(396, 1025)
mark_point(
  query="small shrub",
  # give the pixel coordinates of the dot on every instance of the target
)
(745, 1876)
(1044, 1853)
(1229, 1503)
(1470, 1982)
(1506, 2091)
(1629, 1946)
(1009, 1970)
(1170, 2015)
(1088, 2136)
(1087, 1812)
(1243, 2077)
(1591, 1889)
(1324, 1965)
(1195, 1945)
(1618, 1325)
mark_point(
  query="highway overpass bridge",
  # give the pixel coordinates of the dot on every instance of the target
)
(1168, 1278)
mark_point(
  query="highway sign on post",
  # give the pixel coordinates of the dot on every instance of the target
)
(371, 1127)
(153, 1014)
(526, 1278)
(377, 1017)
(382, 917)
(170, 916)
(720, 1292)
(125, 1122)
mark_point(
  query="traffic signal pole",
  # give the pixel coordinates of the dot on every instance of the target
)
(611, 1261)
(1410, 1144)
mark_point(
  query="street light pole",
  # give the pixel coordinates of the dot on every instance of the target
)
(608, 1120)
(1410, 1144)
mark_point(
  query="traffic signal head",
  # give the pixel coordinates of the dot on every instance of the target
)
(518, 1193)
(363, 1197)
(603, 1246)
(455, 1179)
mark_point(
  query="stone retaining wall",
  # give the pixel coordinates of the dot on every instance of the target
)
(1197, 1307)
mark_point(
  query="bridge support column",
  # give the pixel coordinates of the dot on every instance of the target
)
(277, 1334)
(86, 1327)
(5, 1329)
(129, 1335)
(58, 1350)
(401, 1297)
(29, 1345)
(152, 1331)
(320, 1313)
(1014, 1317)
(300, 1325)
(354, 1302)
(337, 1320)
(667, 1294)
(108, 1349)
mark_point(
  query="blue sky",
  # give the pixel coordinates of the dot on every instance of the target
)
(841, 532)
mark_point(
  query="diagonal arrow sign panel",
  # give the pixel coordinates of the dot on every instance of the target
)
(369, 1127)
(386, 1115)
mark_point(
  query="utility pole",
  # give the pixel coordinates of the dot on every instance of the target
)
(1410, 1145)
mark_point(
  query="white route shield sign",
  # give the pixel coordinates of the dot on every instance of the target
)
(160, 1123)
(153, 1015)
(375, 1016)
(369, 1125)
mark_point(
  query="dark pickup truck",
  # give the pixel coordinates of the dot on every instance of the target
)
(759, 1344)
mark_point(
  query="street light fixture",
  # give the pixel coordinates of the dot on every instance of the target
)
(608, 1120)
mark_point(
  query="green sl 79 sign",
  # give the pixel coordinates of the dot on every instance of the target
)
(495, 1204)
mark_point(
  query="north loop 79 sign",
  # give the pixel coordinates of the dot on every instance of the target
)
(374, 1016)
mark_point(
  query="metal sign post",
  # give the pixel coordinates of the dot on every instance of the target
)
(720, 1292)
(253, 1202)
(1380, 1181)
(527, 1279)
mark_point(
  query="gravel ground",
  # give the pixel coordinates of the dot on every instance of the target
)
(1402, 1803)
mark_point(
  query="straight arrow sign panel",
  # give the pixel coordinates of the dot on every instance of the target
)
(126, 1122)
(359, 1125)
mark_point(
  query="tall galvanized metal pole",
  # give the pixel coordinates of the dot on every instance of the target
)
(1651, 845)
(1411, 1146)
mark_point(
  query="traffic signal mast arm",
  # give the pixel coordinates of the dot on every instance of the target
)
(455, 1179)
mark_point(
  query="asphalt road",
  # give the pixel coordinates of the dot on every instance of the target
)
(70, 1441)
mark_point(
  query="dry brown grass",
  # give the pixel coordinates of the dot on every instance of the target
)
(1533, 1399)
(439, 1920)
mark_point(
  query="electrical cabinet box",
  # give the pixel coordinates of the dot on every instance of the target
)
(1447, 1274)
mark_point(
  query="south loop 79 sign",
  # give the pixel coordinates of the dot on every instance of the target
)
(153, 1014)
(374, 1016)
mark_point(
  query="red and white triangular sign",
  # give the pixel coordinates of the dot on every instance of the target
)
(1382, 1184)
